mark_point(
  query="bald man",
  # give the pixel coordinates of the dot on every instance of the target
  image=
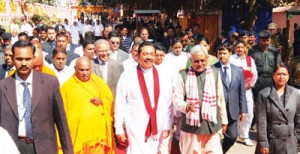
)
(88, 101)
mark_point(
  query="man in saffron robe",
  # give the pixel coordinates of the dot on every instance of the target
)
(88, 101)
(143, 103)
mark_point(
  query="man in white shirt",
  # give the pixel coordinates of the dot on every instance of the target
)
(63, 72)
(15, 26)
(132, 62)
(86, 28)
(143, 103)
(115, 42)
(98, 28)
(67, 25)
(26, 27)
(247, 63)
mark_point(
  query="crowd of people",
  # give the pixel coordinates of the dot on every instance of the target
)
(94, 87)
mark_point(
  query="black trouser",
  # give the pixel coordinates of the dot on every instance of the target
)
(26, 148)
(231, 134)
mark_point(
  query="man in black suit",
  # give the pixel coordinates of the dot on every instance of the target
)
(31, 106)
(8, 66)
(234, 93)
(50, 44)
(62, 41)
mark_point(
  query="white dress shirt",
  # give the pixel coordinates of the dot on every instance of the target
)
(103, 69)
(21, 108)
(114, 55)
(62, 75)
(129, 63)
(98, 29)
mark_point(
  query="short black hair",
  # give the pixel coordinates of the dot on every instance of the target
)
(23, 34)
(58, 50)
(161, 47)
(89, 35)
(87, 42)
(113, 34)
(22, 44)
(62, 34)
(146, 43)
(34, 37)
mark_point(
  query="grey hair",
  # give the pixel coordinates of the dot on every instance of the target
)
(199, 49)
(8, 47)
(101, 41)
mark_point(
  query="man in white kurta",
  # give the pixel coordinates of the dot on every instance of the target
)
(130, 106)
(240, 59)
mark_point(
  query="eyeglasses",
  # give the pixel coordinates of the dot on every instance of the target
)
(104, 51)
(117, 43)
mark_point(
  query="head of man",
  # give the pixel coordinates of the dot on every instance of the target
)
(107, 29)
(51, 33)
(159, 53)
(38, 60)
(69, 36)
(234, 37)
(87, 22)
(240, 48)
(264, 39)
(196, 27)
(35, 32)
(243, 36)
(59, 57)
(6, 39)
(8, 56)
(272, 28)
(222, 36)
(14, 32)
(171, 31)
(114, 40)
(102, 50)
(199, 58)
(23, 55)
(144, 34)
(66, 21)
(134, 51)
(43, 33)
(83, 69)
(88, 48)
(75, 23)
(97, 21)
(184, 38)
(62, 40)
(189, 32)
(146, 55)
(124, 31)
(34, 39)
(223, 54)
(252, 38)
(23, 36)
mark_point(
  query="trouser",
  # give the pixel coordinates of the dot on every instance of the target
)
(244, 126)
(25, 148)
(166, 144)
(231, 134)
(200, 143)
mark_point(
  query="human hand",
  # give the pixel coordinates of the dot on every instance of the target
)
(96, 101)
(224, 128)
(264, 150)
(190, 107)
(166, 134)
(242, 116)
(247, 86)
(121, 137)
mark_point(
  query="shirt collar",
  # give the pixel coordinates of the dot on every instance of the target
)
(235, 56)
(28, 80)
(101, 62)
(228, 65)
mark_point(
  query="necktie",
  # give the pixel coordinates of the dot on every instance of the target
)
(27, 106)
(226, 75)
(103, 70)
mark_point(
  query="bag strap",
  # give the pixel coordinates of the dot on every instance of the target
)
(248, 60)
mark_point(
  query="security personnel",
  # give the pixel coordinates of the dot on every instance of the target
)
(294, 70)
(266, 58)
(252, 39)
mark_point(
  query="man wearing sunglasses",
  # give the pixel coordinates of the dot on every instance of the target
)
(117, 54)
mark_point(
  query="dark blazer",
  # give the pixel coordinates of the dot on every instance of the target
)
(235, 94)
(278, 125)
(114, 71)
(47, 47)
(3, 70)
(47, 110)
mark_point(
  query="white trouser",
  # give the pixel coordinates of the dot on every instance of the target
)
(244, 126)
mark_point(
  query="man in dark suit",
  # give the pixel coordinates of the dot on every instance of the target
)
(50, 44)
(234, 93)
(117, 54)
(62, 41)
(31, 106)
(8, 66)
(108, 69)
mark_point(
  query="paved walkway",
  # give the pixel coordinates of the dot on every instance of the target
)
(240, 148)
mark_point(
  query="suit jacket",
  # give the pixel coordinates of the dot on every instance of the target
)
(47, 110)
(235, 94)
(122, 56)
(70, 57)
(278, 124)
(114, 71)
(3, 70)
(47, 47)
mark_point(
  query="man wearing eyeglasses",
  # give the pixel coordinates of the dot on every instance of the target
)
(105, 67)
(117, 54)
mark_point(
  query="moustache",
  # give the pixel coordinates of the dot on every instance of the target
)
(148, 60)
(23, 67)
